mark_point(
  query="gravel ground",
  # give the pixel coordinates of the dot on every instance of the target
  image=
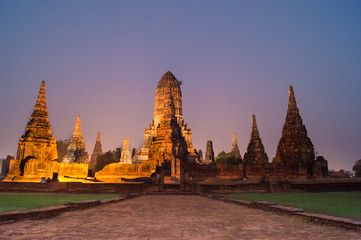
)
(171, 217)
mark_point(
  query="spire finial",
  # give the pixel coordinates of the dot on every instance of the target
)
(254, 123)
(77, 130)
(41, 100)
(290, 91)
(235, 148)
(291, 98)
(255, 150)
(254, 132)
(98, 137)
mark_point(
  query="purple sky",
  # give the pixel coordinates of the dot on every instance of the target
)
(103, 59)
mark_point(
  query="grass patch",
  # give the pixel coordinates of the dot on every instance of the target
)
(338, 204)
(22, 201)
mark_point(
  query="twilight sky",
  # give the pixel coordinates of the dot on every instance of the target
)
(103, 59)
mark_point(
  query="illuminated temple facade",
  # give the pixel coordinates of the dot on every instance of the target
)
(167, 144)
(167, 93)
(164, 140)
(76, 150)
(37, 153)
(38, 141)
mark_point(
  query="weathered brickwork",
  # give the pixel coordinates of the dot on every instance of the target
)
(76, 150)
(38, 141)
(167, 144)
(96, 153)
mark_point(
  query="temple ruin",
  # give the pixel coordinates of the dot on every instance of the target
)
(164, 140)
(168, 146)
(235, 148)
(38, 141)
(76, 150)
(209, 154)
(295, 151)
(37, 153)
(295, 157)
(125, 157)
(168, 90)
(255, 159)
(96, 153)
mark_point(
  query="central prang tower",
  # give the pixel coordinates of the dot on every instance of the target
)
(167, 106)
(168, 86)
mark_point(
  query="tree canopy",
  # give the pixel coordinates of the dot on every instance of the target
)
(107, 158)
(357, 168)
(228, 158)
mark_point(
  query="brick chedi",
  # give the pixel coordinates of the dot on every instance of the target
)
(96, 153)
(76, 150)
(168, 88)
(38, 141)
(37, 152)
(169, 143)
(235, 148)
(255, 162)
(125, 157)
(255, 150)
(209, 154)
(295, 151)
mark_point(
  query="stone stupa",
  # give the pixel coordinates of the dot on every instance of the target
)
(209, 154)
(76, 150)
(168, 96)
(96, 153)
(255, 151)
(38, 141)
(125, 157)
(235, 148)
(295, 150)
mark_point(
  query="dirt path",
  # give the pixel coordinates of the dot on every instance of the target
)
(171, 217)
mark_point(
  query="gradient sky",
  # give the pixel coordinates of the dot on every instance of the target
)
(103, 59)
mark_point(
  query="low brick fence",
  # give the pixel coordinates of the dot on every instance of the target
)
(74, 187)
(326, 185)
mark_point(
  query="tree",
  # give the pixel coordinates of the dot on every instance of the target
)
(62, 146)
(107, 158)
(116, 154)
(79, 154)
(228, 158)
(357, 168)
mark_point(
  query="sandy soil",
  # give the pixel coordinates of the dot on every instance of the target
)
(171, 217)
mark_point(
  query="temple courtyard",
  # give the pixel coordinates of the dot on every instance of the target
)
(172, 217)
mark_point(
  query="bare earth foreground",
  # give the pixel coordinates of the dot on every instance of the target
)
(171, 217)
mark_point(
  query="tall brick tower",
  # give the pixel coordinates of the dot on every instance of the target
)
(38, 141)
(168, 102)
(295, 150)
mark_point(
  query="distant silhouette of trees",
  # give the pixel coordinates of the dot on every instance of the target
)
(62, 146)
(228, 158)
(357, 168)
(107, 158)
